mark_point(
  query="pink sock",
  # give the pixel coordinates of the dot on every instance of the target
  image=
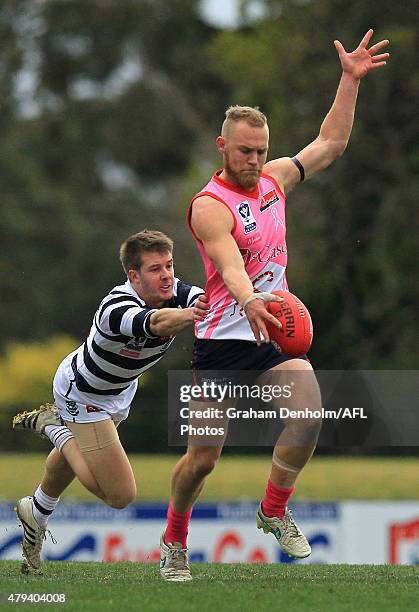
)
(276, 499)
(177, 526)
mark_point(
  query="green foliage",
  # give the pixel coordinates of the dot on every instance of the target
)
(27, 370)
(127, 99)
(119, 109)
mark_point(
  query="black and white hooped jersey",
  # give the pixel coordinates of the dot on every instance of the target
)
(121, 345)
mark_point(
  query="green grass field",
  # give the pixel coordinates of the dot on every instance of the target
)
(239, 477)
(314, 588)
(128, 586)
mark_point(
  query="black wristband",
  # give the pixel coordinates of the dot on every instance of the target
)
(300, 167)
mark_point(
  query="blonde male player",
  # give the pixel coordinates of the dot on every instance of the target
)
(238, 221)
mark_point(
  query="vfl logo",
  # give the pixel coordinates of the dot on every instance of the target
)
(246, 215)
(72, 407)
(269, 199)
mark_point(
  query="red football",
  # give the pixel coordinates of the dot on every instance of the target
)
(296, 334)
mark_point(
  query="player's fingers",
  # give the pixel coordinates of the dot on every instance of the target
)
(264, 332)
(269, 317)
(203, 302)
(202, 308)
(378, 65)
(198, 314)
(339, 47)
(255, 330)
(364, 42)
(265, 296)
(378, 46)
(380, 58)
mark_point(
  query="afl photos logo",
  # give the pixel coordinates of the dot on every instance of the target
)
(246, 215)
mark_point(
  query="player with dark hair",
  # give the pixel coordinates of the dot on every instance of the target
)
(238, 221)
(94, 386)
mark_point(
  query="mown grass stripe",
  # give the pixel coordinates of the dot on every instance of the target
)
(303, 588)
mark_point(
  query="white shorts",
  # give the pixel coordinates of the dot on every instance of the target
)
(78, 407)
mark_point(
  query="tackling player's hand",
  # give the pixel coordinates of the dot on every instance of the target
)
(201, 308)
(258, 316)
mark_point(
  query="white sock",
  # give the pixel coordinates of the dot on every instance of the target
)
(42, 506)
(58, 434)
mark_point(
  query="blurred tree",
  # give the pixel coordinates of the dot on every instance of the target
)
(27, 370)
(109, 111)
(112, 114)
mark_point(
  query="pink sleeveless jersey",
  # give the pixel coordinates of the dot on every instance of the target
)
(259, 230)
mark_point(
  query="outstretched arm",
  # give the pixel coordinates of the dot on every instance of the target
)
(170, 321)
(337, 126)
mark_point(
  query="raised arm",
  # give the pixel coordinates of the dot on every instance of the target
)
(213, 224)
(337, 126)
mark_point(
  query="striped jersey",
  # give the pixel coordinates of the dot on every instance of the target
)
(121, 345)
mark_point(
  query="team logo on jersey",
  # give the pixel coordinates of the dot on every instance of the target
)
(136, 343)
(246, 215)
(269, 199)
(91, 408)
(72, 407)
(133, 348)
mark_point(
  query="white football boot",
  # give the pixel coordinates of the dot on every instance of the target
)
(33, 537)
(174, 566)
(37, 419)
(290, 538)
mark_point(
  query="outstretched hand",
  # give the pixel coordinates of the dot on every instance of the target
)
(201, 308)
(362, 60)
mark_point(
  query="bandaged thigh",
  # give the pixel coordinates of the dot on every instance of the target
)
(94, 436)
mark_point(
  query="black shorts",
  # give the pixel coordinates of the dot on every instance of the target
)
(236, 355)
(233, 361)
